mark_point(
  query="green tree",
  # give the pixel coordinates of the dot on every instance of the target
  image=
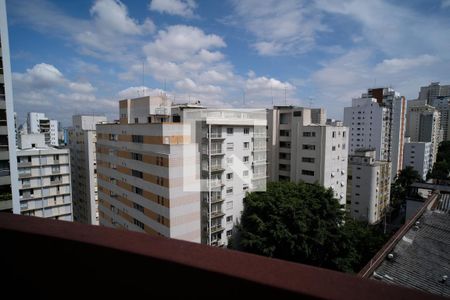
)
(303, 223)
(441, 167)
(400, 187)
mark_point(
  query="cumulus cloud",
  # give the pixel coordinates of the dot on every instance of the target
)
(395, 65)
(139, 91)
(279, 27)
(183, 8)
(44, 88)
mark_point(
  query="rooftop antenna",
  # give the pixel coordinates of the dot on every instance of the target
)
(310, 101)
(243, 97)
(284, 95)
(164, 86)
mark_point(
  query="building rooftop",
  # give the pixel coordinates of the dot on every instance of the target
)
(419, 255)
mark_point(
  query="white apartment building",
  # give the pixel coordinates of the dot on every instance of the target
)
(369, 127)
(418, 156)
(44, 179)
(379, 116)
(9, 195)
(368, 193)
(442, 104)
(39, 123)
(148, 175)
(233, 151)
(303, 146)
(424, 126)
(82, 145)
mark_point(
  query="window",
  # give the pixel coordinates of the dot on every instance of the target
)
(229, 131)
(246, 130)
(343, 134)
(136, 173)
(138, 223)
(285, 145)
(308, 172)
(230, 146)
(308, 147)
(245, 187)
(161, 200)
(229, 190)
(229, 176)
(229, 219)
(285, 133)
(136, 120)
(309, 134)
(229, 233)
(136, 156)
(138, 207)
(137, 139)
(160, 180)
(333, 134)
(333, 148)
(308, 159)
(246, 159)
(159, 161)
(246, 145)
(229, 205)
(298, 113)
(56, 157)
(136, 190)
(245, 173)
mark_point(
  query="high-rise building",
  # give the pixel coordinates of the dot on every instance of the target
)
(82, 141)
(233, 162)
(9, 195)
(433, 91)
(424, 126)
(303, 146)
(368, 192)
(147, 172)
(39, 123)
(389, 125)
(442, 104)
(418, 156)
(44, 179)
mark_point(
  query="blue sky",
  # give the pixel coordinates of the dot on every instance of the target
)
(82, 56)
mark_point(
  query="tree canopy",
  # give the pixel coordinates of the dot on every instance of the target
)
(303, 223)
(441, 167)
(399, 188)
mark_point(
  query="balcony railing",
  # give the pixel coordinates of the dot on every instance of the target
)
(108, 257)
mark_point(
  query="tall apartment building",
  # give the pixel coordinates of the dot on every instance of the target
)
(424, 126)
(44, 179)
(233, 162)
(433, 91)
(9, 195)
(368, 193)
(442, 104)
(380, 123)
(147, 172)
(418, 156)
(302, 146)
(82, 144)
(39, 123)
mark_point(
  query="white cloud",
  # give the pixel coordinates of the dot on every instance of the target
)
(265, 84)
(184, 8)
(44, 88)
(188, 85)
(107, 35)
(139, 91)
(395, 65)
(445, 3)
(280, 27)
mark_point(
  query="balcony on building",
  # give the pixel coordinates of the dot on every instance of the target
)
(130, 265)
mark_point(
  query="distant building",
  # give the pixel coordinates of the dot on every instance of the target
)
(433, 91)
(368, 192)
(39, 123)
(304, 147)
(9, 195)
(143, 182)
(82, 141)
(418, 156)
(377, 121)
(44, 179)
(424, 126)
